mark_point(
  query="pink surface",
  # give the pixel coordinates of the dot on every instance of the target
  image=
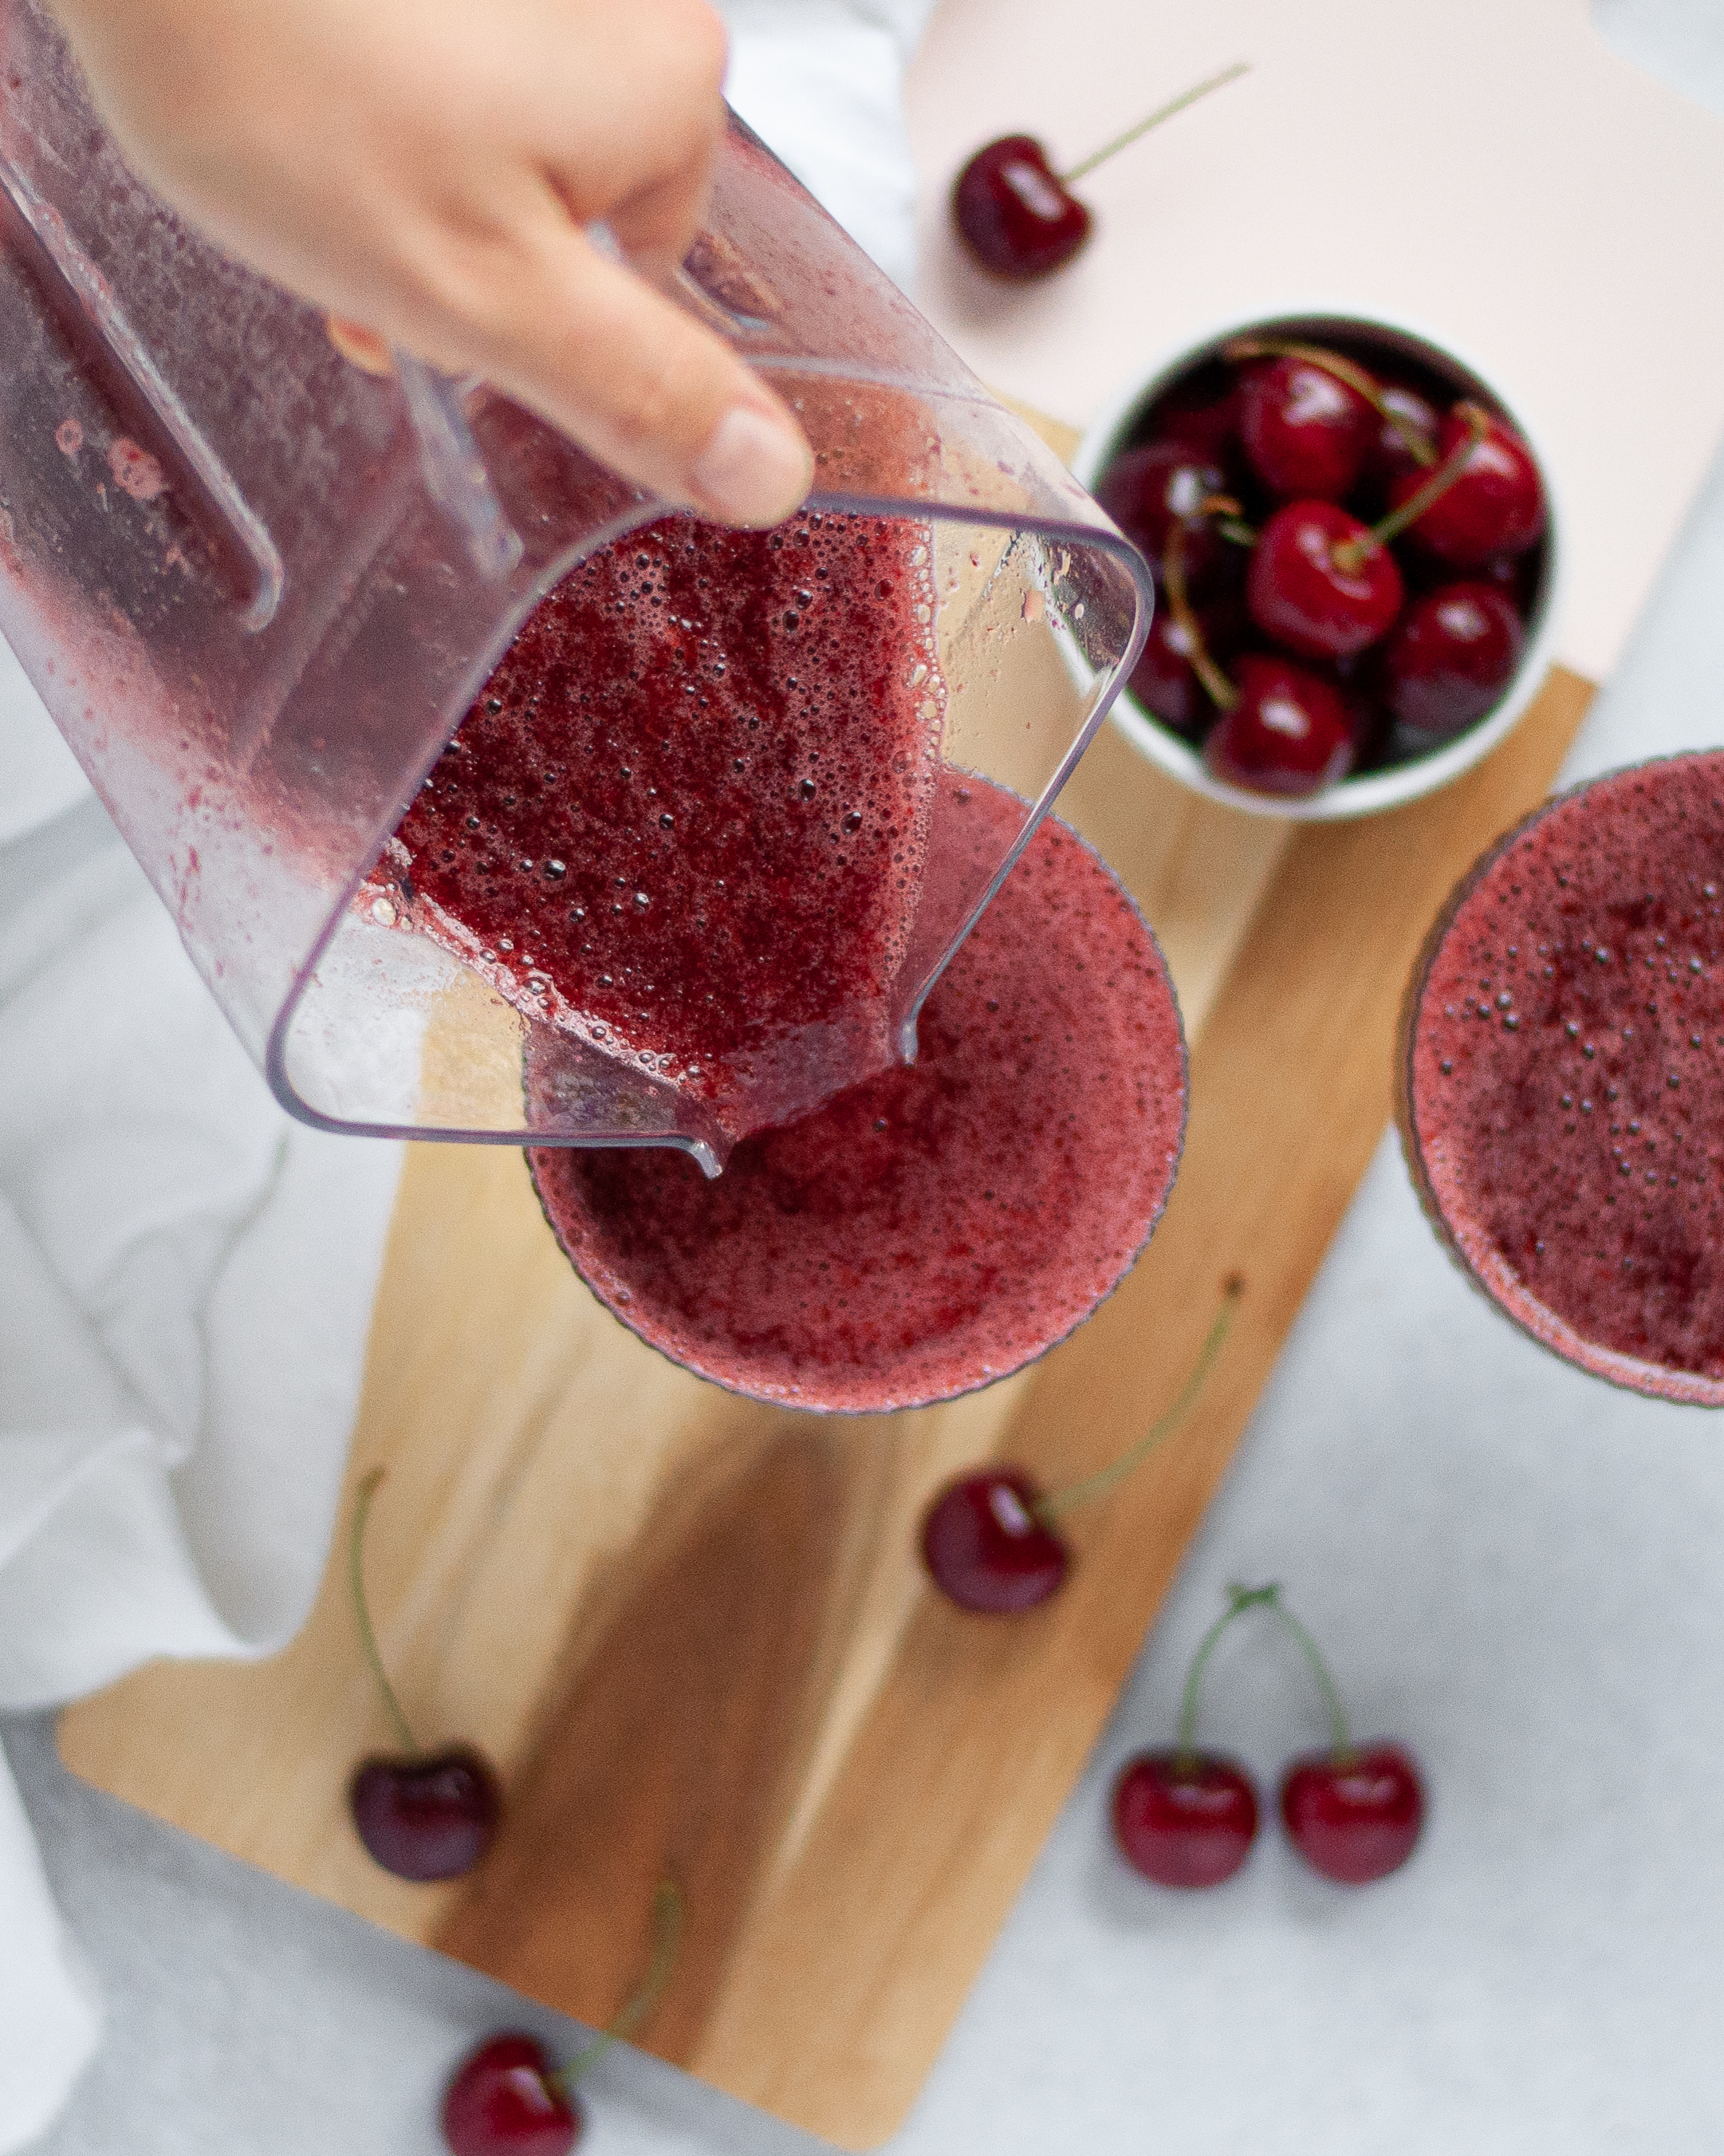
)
(1492, 177)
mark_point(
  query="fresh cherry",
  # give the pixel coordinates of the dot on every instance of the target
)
(986, 1550)
(1306, 431)
(1355, 1814)
(1019, 216)
(1324, 585)
(1184, 1818)
(1407, 425)
(1288, 731)
(1319, 584)
(988, 1543)
(1452, 654)
(421, 1814)
(507, 2100)
(1495, 505)
(1203, 412)
(429, 1817)
(1150, 488)
(1164, 680)
(1014, 212)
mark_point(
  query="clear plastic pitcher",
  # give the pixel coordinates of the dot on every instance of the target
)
(259, 589)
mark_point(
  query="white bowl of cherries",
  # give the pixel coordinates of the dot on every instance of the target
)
(1356, 555)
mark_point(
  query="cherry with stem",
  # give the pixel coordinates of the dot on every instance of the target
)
(1018, 215)
(508, 2099)
(423, 1815)
(989, 1542)
(1283, 729)
(1324, 585)
(1185, 1817)
(1348, 372)
(1353, 1812)
(1499, 509)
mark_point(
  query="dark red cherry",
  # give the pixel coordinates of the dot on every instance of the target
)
(1162, 681)
(504, 2102)
(985, 1549)
(1452, 654)
(1311, 595)
(1203, 414)
(1290, 732)
(1305, 432)
(428, 1818)
(1390, 455)
(1357, 1816)
(1516, 576)
(1014, 215)
(1150, 488)
(1496, 506)
(1184, 1818)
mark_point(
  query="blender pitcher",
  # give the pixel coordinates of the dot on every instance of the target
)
(259, 589)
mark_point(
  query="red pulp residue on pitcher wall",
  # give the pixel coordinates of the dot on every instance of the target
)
(688, 817)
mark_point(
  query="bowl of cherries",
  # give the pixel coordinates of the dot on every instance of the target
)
(1355, 552)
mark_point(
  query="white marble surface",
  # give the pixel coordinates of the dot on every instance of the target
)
(1515, 1569)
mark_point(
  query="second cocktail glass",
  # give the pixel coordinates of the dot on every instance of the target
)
(1561, 1077)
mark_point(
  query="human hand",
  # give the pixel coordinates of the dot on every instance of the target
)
(425, 170)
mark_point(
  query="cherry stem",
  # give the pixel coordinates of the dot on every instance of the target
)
(667, 1941)
(1351, 552)
(1344, 370)
(1162, 112)
(1049, 1508)
(361, 1610)
(1240, 1599)
(1340, 1736)
(1222, 691)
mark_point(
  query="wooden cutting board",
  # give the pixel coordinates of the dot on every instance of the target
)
(692, 1631)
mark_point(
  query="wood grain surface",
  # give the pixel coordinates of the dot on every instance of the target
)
(691, 1631)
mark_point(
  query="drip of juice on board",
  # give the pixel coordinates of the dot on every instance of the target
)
(939, 1224)
(687, 820)
(1563, 1077)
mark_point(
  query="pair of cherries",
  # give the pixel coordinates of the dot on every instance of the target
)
(1186, 1818)
(1296, 639)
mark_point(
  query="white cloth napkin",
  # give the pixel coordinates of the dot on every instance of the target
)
(186, 1280)
(822, 82)
(186, 1275)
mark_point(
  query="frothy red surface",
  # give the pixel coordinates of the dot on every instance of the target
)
(1564, 1077)
(937, 1226)
(688, 817)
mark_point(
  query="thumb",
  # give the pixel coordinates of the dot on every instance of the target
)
(588, 345)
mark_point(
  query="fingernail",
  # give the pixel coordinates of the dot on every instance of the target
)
(752, 471)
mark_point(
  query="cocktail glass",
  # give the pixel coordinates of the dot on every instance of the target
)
(1561, 1077)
